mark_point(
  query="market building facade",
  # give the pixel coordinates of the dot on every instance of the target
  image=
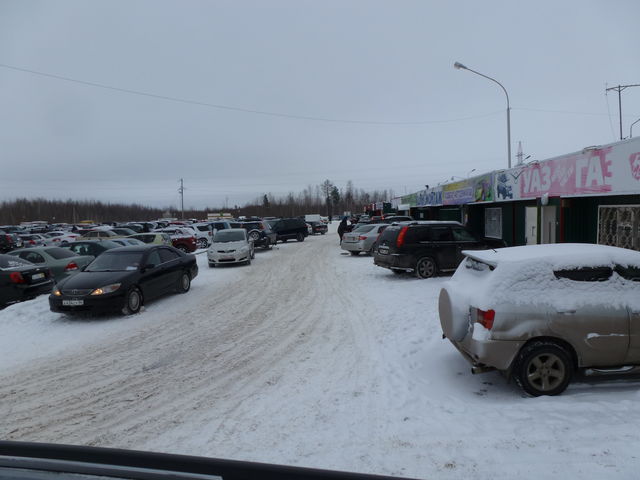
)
(589, 196)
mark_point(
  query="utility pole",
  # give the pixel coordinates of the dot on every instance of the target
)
(619, 89)
(181, 192)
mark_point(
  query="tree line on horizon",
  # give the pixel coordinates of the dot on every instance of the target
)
(325, 199)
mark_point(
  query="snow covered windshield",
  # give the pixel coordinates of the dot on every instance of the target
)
(116, 262)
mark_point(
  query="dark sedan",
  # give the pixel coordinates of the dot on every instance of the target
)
(123, 279)
(22, 280)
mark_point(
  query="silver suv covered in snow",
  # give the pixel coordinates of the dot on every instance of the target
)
(541, 312)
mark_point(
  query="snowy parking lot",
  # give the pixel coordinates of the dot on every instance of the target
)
(308, 357)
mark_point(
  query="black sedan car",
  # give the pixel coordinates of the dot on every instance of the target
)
(123, 279)
(22, 280)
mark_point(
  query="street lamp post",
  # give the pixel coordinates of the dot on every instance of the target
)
(460, 66)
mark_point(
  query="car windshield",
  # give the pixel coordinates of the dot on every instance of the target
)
(224, 236)
(116, 262)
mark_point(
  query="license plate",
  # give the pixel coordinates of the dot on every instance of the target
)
(37, 276)
(383, 250)
(226, 258)
(72, 303)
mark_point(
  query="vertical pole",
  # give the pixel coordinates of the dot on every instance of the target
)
(509, 135)
(182, 199)
(620, 109)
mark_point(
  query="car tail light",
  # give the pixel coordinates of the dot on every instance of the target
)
(401, 235)
(485, 318)
(362, 237)
(55, 239)
(16, 277)
(32, 242)
(71, 266)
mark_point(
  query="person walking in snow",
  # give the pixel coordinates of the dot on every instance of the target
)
(342, 227)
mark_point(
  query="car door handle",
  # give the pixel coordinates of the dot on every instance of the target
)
(566, 312)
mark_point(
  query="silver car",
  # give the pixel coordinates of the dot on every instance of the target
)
(540, 313)
(362, 238)
(230, 246)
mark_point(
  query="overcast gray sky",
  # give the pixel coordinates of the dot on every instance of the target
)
(387, 63)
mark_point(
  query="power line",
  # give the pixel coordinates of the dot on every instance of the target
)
(236, 109)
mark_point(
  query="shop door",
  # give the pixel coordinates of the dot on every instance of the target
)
(531, 226)
(548, 225)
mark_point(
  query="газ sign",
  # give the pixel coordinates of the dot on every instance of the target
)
(613, 169)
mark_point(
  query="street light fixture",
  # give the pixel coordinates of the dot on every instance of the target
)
(460, 66)
(631, 128)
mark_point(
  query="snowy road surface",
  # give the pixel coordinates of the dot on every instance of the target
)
(307, 357)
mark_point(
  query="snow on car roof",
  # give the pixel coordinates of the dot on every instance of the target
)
(558, 255)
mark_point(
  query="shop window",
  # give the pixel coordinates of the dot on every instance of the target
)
(493, 222)
(618, 226)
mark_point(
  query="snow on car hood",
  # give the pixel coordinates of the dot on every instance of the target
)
(524, 276)
(228, 245)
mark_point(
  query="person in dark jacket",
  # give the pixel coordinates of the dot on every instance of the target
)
(342, 227)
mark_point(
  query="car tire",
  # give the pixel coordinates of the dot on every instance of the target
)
(203, 243)
(184, 283)
(355, 254)
(300, 237)
(543, 368)
(133, 302)
(426, 267)
(254, 235)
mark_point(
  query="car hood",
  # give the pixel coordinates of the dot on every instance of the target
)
(85, 280)
(228, 245)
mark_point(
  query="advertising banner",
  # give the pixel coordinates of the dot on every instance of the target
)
(409, 199)
(429, 197)
(476, 189)
(611, 169)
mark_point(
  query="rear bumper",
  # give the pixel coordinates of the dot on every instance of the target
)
(394, 261)
(21, 292)
(353, 246)
(495, 354)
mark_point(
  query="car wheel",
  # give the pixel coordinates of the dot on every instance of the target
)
(543, 368)
(202, 243)
(426, 268)
(355, 254)
(184, 283)
(255, 236)
(133, 302)
(300, 237)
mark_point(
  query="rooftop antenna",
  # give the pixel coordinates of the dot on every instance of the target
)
(520, 155)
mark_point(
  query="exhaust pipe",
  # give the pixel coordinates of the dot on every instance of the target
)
(476, 369)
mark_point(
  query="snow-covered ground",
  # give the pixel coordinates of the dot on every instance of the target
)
(307, 357)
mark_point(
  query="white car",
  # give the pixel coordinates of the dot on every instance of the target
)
(230, 246)
(204, 235)
(61, 238)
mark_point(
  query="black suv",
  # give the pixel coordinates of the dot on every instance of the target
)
(318, 227)
(427, 247)
(289, 228)
(259, 232)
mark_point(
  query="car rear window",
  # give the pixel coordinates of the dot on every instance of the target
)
(628, 272)
(389, 234)
(364, 228)
(9, 262)
(59, 253)
(585, 274)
